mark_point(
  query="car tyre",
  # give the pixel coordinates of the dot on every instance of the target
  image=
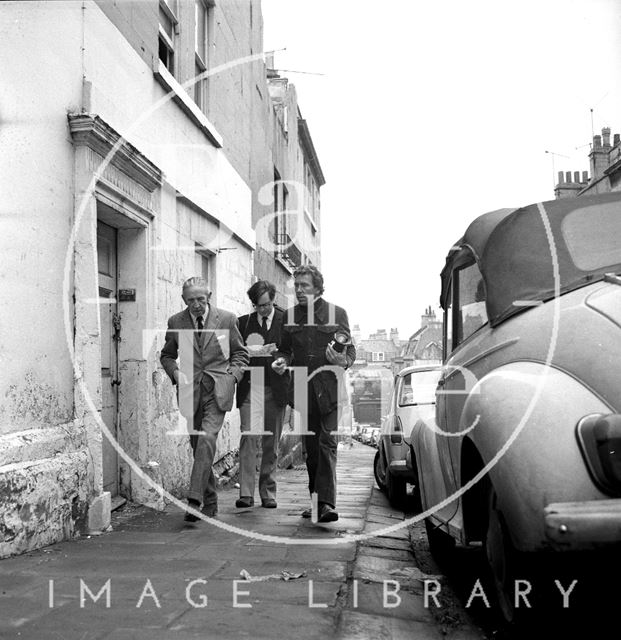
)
(504, 562)
(441, 545)
(416, 502)
(380, 476)
(395, 489)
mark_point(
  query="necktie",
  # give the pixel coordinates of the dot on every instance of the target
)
(199, 324)
(264, 326)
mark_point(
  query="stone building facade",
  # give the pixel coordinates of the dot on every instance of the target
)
(378, 349)
(424, 345)
(127, 176)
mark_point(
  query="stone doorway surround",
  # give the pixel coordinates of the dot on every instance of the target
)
(117, 185)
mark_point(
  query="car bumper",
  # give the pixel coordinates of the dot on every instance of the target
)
(401, 469)
(583, 525)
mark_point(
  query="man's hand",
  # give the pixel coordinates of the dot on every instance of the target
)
(336, 358)
(180, 378)
(279, 366)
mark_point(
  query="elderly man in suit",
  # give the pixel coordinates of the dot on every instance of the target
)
(316, 336)
(212, 357)
(266, 406)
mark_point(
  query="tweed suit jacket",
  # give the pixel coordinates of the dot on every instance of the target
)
(220, 354)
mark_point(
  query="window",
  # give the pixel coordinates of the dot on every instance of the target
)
(167, 33)
(280, 199)
(469, 302)
(200, 51)
(204, 267)
(592, 236)
(419, 388)
(447, 334)
(378, 356)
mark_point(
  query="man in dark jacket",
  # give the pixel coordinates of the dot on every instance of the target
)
(261, 402)
(316, 336)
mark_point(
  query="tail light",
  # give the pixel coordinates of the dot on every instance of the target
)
(600, 441)
(396, 433)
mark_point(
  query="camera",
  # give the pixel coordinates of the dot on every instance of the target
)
(340, 341)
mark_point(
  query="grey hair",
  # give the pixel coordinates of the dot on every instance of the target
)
(196, 281)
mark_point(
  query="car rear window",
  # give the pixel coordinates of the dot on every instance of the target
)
(418, 387)
(593, 236)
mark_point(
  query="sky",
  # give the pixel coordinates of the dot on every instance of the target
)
(427, 114)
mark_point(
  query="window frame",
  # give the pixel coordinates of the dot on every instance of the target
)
(456, 320)
(168, 41)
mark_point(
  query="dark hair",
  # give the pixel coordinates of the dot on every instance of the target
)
(313, 272)
(259, 288)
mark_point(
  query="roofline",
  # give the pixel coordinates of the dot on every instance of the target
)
(310, 152)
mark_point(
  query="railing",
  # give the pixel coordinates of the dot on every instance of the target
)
(287, 250)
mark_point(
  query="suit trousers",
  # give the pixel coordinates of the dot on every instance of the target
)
(208, 421)
(273, 416)
(321, 453)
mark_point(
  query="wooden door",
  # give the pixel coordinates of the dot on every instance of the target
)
(109, 337)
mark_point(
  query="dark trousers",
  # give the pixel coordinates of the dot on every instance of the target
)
(208, 421)
(321, 453)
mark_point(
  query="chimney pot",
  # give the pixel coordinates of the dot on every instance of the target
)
(616, 139)
(567, 176)
(597, 142)
(576, 176)
(561, 177)
(606, 136)
(585, 176)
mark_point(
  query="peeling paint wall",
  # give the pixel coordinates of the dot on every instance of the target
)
(197, 221)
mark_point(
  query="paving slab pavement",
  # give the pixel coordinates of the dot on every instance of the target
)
(154, 576)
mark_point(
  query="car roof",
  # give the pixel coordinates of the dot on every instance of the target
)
(413, 369)
(518, 252)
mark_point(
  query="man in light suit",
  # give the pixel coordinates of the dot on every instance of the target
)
(261, 333)
(212, 357)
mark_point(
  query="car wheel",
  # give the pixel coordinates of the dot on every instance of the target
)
(505, 564)
(379, 472)
(395, 489)
(441, 545)
(416, 500)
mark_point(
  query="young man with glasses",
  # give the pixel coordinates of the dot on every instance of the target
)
(261, 399)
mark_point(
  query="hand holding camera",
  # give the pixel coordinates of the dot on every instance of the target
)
(279, 366)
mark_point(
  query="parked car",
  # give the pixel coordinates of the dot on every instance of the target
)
(524, 454)
(374, 436)
(413, 397)
(365, 435)
(370, 387)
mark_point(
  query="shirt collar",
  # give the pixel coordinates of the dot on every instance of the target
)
(269, 318)
(203, 316)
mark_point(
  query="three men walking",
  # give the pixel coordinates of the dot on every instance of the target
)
(214, 356)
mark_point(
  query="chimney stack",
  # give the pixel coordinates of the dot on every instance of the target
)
(568, 187)
(599, 154)
(616, 139)
(606, 136)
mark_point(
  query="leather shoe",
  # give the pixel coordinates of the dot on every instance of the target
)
(327, 514)
(190, 517)
(210, 510)
(307, 513)
(269, 503)
(244, 502)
